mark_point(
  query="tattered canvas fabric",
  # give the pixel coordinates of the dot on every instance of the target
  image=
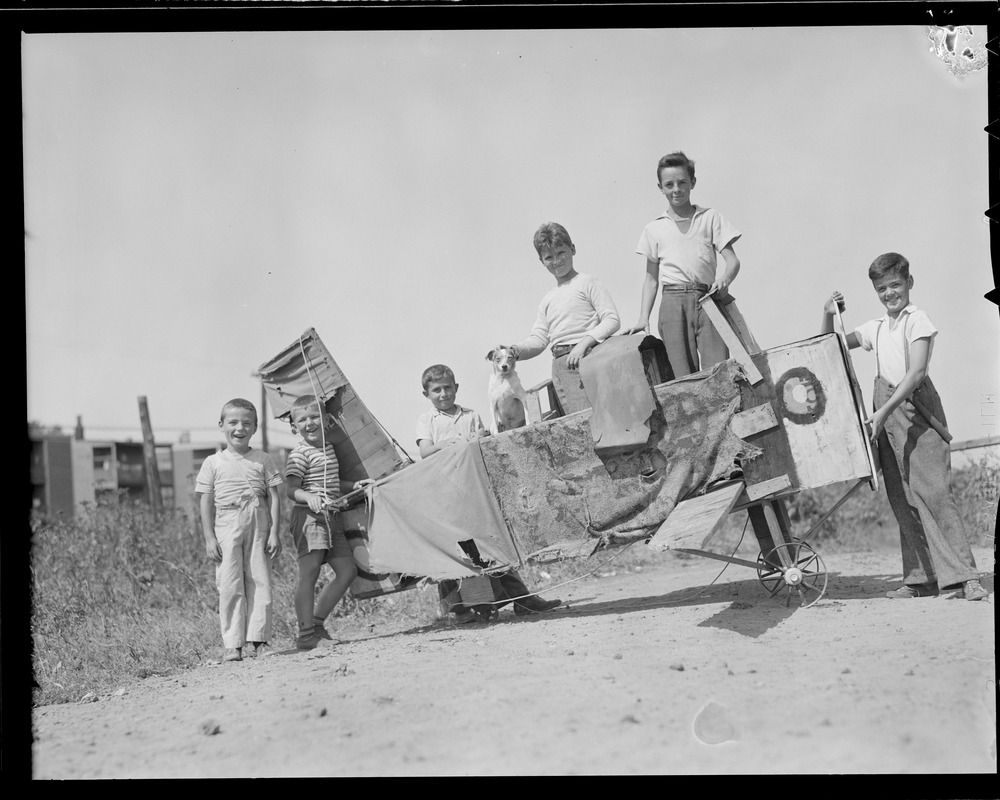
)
(420, 516)
(561, 499)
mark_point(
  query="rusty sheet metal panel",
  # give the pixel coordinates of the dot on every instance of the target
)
(561, 499)
(363, 448)
(819, 439)
(616, 377)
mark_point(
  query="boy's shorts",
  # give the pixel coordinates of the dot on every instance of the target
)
(310, 532)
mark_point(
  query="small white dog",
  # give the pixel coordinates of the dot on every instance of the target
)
(508, 400)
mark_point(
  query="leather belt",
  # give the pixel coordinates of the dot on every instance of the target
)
(686, 287)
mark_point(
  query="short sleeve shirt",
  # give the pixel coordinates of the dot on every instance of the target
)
(894, 338)
(437, 426)
(687, 257)
(234, 477)
(319, 470)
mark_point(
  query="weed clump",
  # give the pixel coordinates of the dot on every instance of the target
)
(119, 593)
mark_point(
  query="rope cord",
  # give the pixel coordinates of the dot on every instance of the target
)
(322, 427)
(326, 462)
(616, 555)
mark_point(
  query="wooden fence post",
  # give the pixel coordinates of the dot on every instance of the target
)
(263, 417)
(149, 452)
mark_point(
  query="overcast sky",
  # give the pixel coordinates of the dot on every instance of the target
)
(195, 201)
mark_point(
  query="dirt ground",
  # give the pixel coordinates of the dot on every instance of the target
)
(656, 671)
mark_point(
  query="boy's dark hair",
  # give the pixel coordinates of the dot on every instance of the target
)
(437, 373)
(306, 400)
(239, 402)
(889, 263)
(551, 235)
(677, 159)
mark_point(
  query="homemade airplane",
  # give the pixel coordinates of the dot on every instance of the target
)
(655, 459)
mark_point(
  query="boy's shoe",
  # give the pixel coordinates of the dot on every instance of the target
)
(533, 604)
(322, 632)
(307, 642)
(233, 654)
(261, 650)
(974, 590)
(912, 590)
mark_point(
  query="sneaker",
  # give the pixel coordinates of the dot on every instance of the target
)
(233, 654)
(261, 650)
(307, 642)
(322, 633)
(533, 604)
(912, 590)
(974, 590)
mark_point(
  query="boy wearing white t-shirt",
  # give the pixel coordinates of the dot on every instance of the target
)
(448, 424)
(573, 317)
(909, 427)
(680, 248)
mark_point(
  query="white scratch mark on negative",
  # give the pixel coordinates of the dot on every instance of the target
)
(958, 47)
(713, 726)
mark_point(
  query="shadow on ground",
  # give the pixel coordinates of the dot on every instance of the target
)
(749, 610)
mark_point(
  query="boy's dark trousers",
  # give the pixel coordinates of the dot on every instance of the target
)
(916, 469)
(512, 586)
(689, 337)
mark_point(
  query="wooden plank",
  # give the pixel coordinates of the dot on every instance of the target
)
(695, 520)
(736, 349)
(720, 557)
(972, 444)
(819, 439)
(859, 406)
(534, 411)
(815, 396)
(754, 420)
(738, 324)
(772, 527)
(757, 491)
(533, 407)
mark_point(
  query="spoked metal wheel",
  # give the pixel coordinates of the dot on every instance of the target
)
(804, 576)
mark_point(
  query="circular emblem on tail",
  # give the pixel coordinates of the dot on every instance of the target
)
(801, 397)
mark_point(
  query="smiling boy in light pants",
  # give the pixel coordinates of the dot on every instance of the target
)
(240, 504)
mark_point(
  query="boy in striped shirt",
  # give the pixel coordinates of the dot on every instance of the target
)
(312, 481)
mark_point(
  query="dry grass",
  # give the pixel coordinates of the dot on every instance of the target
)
(118, 594)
